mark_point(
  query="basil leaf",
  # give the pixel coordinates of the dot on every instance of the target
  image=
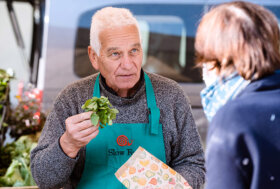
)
(94, 119)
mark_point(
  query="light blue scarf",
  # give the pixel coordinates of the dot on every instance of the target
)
(219, 92)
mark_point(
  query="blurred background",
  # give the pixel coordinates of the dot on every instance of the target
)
(43, 48)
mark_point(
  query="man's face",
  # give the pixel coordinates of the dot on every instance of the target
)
(120, 57)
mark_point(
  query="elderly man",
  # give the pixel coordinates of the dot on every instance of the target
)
(154, 114)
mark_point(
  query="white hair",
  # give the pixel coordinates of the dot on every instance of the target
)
(109, 17)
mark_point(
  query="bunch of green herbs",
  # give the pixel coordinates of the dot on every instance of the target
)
(102, 111)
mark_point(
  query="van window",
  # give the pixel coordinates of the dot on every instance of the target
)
(167, 33)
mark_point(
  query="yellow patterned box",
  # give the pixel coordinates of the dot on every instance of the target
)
(145, 171)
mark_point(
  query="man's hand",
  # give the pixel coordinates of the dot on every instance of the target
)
(79, 132)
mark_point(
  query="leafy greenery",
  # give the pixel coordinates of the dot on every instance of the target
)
(102, 111)
(4, 82)
(26, 118)
(17, 156)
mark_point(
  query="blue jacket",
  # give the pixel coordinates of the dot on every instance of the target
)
(243, 142)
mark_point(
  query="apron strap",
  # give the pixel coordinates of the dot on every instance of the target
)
(96, 90)
(154, 114)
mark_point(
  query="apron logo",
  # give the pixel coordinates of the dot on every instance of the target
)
(122, 140)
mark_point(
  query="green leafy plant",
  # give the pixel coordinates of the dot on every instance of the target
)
(17, 156)
(102, 111)
(26, 118)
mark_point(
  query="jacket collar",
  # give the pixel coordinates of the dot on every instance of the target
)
(266, 83)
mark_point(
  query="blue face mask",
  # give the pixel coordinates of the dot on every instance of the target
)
(215, 95)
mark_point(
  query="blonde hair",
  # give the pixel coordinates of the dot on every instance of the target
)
(109, 17)
(239, 36)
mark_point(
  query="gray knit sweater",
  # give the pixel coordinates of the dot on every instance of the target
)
(52, 168)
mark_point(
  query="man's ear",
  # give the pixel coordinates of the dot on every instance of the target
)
(93, 57)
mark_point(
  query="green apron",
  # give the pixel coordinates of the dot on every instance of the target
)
(114, 144)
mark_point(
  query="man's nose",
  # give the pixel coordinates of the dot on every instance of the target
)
(126, 62)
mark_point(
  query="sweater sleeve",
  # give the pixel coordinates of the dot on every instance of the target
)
(50, 166)
(187, 153)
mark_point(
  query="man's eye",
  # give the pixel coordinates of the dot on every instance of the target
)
(115, 54)
(134, 50)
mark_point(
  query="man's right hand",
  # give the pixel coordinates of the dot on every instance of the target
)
(79, 132)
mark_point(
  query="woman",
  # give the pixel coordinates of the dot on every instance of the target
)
(237, 44)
